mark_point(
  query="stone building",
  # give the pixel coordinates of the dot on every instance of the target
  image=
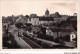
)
(47, 13)
(33, 21)
(46, 20)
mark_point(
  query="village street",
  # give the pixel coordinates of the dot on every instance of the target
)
(22, 41)
(19, 40)
(25, 42)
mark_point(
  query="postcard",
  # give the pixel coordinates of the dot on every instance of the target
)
(39, 25)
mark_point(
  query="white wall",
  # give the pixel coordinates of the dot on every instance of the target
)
(34, 21)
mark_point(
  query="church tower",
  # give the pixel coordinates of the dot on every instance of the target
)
(47, 13)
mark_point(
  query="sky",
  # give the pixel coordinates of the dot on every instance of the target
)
(9, 8)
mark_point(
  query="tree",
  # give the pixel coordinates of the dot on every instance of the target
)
(19, 26)
(27, 16)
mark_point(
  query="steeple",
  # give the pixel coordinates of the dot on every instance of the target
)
(47, 12)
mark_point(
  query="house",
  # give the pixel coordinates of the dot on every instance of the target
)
(33, 21)
(40, 20)
(49, 32)
(57, 20)
(61, 32)
(21, 19)
(33, 15)
(46, 20)
(64, 17)
(57, 17)
(72, 36)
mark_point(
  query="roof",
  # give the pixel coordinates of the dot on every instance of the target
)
(33, 15)
(46, 19)
(67, 29)
(64, 15)
(22, 20)
(55, 15)
(61, 30)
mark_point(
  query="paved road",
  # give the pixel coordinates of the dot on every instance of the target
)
(19, 40)
(22, 43)
(31, 43)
